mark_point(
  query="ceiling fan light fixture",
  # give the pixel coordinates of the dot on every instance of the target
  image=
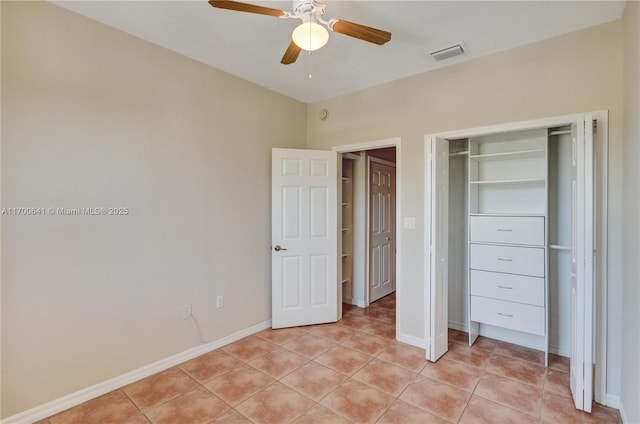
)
(310, 36)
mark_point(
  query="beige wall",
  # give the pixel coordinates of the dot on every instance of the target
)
(630, 391)
(94, 117)
(577, 72)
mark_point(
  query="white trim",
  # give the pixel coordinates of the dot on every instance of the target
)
(367, 230)
(602, 299)
(517, 126)
(361, 303)
(412, 340)
(508, 336)
(381, 161)
(58, 405)
(613, 401)
(623, 414)
(369, 145)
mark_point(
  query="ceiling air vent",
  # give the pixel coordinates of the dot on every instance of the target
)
(447, 52)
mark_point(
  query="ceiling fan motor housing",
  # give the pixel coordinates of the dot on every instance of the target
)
(308, 10)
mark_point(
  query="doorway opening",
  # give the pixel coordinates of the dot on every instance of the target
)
(368, 225)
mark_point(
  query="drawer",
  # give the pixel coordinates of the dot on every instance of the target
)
(514, 288)
(516, 316)
(507, 229)
(513, 260)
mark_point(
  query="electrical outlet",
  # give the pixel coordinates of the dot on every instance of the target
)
(186, 311)
(220, 302)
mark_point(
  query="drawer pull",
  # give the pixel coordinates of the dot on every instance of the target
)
(505, 259)
(505, 315)
(508, 230)
(505, 287)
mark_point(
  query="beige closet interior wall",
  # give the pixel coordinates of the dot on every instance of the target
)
(573, 73)
(630, 324)
(93, 117)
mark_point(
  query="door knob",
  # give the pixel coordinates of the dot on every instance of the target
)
(278, 248)
(387, 238)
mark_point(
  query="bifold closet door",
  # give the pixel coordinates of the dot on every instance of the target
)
(582, 251)
(438, 181)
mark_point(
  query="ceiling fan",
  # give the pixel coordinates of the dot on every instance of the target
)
(309, 35)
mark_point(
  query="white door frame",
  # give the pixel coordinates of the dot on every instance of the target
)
(601, 231)
(379, 144)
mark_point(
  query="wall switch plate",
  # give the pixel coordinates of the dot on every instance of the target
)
(409, 223)
(220, 302)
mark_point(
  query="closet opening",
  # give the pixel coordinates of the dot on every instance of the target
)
(512, 191)
(513, 237)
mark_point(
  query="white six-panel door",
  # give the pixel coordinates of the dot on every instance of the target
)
(382, 232)
(304, 250)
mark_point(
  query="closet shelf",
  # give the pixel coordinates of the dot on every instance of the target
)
(496, 182)
(463, 153)
(521, 154)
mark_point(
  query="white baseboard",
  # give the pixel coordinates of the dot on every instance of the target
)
(515, 337)
(360, 303)
(623, 415)
(412, 340)
(613, 401)
(458, 326)
(50, 408)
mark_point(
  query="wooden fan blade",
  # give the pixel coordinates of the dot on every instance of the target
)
(372, 35)
(245, 7)
(291, 55)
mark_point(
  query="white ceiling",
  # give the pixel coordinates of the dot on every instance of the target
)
(251, 46)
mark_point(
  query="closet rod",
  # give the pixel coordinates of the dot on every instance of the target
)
(558, 247)
(560, 132)
(459, 153)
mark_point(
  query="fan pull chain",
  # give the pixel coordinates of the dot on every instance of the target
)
(310, 74)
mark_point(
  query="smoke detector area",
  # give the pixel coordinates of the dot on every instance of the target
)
(448, 52)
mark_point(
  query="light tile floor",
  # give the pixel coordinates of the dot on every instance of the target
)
(351, 371)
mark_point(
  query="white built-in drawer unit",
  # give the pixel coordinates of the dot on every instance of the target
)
(511, 287)
(516, 316)
(527, 230)
(509, 259)
(507, 237)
